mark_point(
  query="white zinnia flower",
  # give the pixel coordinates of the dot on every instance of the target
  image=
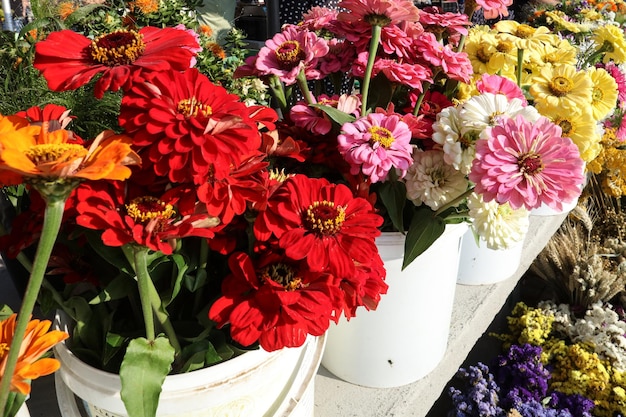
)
(459, 149)
(431, 181)
(497, 224)
(480, 112)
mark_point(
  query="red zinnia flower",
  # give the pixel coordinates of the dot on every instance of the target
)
(146, 220)
(276, 301)
(189, 125)
(69, 60)
(322, 223)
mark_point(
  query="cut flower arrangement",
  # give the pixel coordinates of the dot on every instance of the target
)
(202, 226)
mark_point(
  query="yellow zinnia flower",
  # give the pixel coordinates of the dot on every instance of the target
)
(490, 55)
(33, 154)
(609, 39)
(524, 36)
(604, 93)
(37, 341)
(561, 86)
(581, 128)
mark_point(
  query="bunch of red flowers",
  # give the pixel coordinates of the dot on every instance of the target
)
(271, 255)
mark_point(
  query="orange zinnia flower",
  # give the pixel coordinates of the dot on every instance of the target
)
(37, 341)
(33, 153)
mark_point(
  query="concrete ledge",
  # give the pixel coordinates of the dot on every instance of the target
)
(475, 307)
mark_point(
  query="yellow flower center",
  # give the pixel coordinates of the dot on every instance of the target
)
(504, 46)
(482, 55)
(121, 47)
(560, 86)
(284, 275)
(289, 54)
(324, 218)
(381, 135)
(597, 95)
(191, 107)
(530, 164)
(144, 209)
(565, 125)
(55, 152)
(524, 31)
(4, 349)
(494, 117)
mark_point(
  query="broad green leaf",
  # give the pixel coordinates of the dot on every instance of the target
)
(144, 368)
(424, 230)
(337, 116)
(117, 289)
(393, 196)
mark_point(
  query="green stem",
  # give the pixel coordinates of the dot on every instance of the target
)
(418, 104)
(278, 92)
(151, 304)
(304, 87)
(520, 64)
(367, 78)
(53, 215)
(455, 201)
(143, 284)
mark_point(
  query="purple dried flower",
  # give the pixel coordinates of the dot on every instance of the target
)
(521, 375)
(578, 405)
(534, 408)
(480, 395)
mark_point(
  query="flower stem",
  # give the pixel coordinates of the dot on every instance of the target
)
(53, 215)
(278, 92)
(420, 99)
(151, 304)
(455, 201)
(520, 63)
(304, 87)
(143, 284)
(367, 78)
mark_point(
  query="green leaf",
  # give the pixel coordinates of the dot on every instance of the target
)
(392, 193)
(82, 12)
(144, 368)
(114, 344)
(424, 230)
(177, 279)
(337, 116)
(5, 312)
(117, 289)
(113, 255)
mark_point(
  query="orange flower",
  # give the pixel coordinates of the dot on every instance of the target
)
(216, 49)
(65, 9)
(33, 153)
(146, 6)
(37, 341)
(205, 30)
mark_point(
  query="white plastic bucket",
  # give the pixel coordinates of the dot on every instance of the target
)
(406, 337)
(257, 383)
(483, 266)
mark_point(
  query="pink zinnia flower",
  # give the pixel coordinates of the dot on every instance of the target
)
(527, 164)
(412, 75)
(318, 18)
(338, 59)
(456, 65)
(315, 120)
(620, 79)
(375, 144)
(289, 52)
(495, 8)
(437, 22)
(496, 84)
(378, 12)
